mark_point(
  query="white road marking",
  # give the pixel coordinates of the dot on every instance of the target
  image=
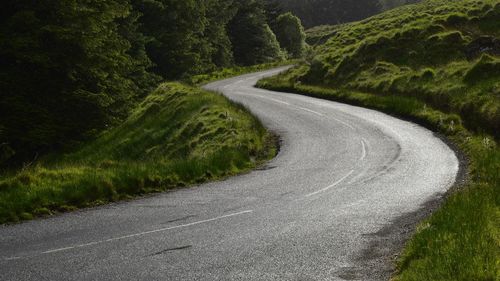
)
(136, 234)
(343, 123)
(363, 153)
(12, 258)
(332, 185)
(308, 110)
(61, 249)
(278, 101)
(267, 98)
(302, 108)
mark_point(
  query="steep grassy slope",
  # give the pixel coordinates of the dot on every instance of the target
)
(319, 35)
(438, 64)
(177, 136)
(445, 53)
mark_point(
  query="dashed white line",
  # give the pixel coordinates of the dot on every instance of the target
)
(311, 111)
(267, 98)
(332, 185)
(137, 234)
(344, 123)
(363, 152)
(12, 258)
(278, 101)
(61, 249)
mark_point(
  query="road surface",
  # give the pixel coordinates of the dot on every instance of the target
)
(343, 174)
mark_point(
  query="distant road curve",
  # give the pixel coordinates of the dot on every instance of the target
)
(343, 174)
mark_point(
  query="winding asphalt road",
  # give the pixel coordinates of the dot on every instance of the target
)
(343, 173)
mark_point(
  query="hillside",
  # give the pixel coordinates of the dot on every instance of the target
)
(323, 12)
(444, 54)
(436, 63)
(177, 136)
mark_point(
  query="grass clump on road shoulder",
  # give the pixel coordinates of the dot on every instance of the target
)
(178, 136)
(436, 63)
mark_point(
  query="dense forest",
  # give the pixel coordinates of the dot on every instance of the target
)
(70, 69)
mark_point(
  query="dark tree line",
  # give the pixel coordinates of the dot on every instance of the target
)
(72, 68)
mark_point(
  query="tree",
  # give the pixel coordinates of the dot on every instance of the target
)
(144, 79)
(65, 73)
(273, 9)
(252, 39)
(290, 34)
(219, 14)
(174, 28)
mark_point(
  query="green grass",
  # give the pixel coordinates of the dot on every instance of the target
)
(445, 53)
(320, 34)
(435, 63)
(178, 136)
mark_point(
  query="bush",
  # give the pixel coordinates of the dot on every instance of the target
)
(290, 34)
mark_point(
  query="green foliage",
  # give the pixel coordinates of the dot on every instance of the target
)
(175, 28)
(144, 79)
(253, 41)
(67, 71)
(219, 13)
(290, 34)
(177, 136)
(272, 9)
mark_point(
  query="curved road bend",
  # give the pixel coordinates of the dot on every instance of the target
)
(343, 173)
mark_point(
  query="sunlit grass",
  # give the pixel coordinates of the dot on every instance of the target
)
(178, 136)
(441, 52)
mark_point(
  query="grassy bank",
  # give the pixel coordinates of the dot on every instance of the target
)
(444, 53)
(178, 136)
(437, 64)
(461, 240)
(202, 79)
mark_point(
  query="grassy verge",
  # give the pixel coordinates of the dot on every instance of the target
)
(461, 241)
(178, 136)
(201, 79)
